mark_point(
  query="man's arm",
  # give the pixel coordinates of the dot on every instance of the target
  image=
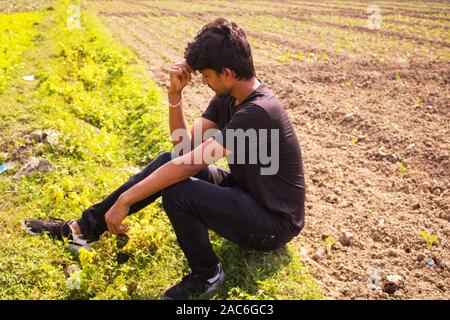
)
(178, 169)
(175, 171)
(180, 76)
(177, 120)
(201, 125)
(168, 174)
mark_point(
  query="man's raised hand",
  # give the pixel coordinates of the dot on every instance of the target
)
(180, 76)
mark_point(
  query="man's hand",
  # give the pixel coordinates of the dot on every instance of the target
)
(115, 216)
(180, 77)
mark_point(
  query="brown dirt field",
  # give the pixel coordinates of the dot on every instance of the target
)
(299, 8)
(8, 6)
(203, 16)
(351, 188)
(385, 7)
(385, 33)
(287, 42)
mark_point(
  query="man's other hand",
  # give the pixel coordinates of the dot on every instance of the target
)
(115, 216)
(180, 76)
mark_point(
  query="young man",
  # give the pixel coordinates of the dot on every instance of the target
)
(259, 204)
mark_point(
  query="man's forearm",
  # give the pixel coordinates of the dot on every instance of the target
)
(177, 119)
(165, 176)
(175, 171)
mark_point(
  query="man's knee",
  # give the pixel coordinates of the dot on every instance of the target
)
(165, 157)
(174, 194)
(160, 160)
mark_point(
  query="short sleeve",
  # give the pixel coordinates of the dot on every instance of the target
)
(212, 111)
(250, 119)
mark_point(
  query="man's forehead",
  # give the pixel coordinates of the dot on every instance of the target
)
(206, 72)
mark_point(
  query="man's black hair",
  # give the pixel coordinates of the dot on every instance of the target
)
(221, 44)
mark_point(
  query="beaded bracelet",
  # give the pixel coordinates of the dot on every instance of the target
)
(176, 105)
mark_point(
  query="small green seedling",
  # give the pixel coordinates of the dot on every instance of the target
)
(354, 141)
(330, 244)
(399, 79)
(285, 58)
(339, 174)
(401, 168)
(429, 238)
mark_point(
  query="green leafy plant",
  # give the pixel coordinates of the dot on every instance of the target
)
(399, 79)
(285, 58)
(330, 243)
(430, 239)
(401, 168)
(339, 174)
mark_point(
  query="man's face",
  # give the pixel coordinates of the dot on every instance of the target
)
(220, 84)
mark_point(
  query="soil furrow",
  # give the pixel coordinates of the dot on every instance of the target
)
(394, 112)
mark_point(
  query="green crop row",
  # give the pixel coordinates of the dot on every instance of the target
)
(15, 36)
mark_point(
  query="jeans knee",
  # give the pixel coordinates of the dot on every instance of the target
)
(159, 161)
(164, 157)
(172, 195)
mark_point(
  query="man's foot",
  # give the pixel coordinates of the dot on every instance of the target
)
(56, 228)
(193, 284)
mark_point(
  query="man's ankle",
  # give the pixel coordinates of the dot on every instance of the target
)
(215, 273)
(75, 228)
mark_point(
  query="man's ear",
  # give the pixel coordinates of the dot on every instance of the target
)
(228, 73)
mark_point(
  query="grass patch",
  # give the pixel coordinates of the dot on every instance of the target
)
(108, 117)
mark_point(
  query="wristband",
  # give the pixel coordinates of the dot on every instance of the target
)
(177, 104)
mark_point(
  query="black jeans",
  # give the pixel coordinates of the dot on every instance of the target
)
(208, 200)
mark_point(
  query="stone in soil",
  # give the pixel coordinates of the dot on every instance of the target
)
(33, 165)
(392, 283)
(346, 239)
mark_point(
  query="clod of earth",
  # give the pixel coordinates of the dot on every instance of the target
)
(71, 268)
(45, 136)
(122, 257)
(348, 117)
(346, 239)
(33, 165)
(36, 135)
(392, 283)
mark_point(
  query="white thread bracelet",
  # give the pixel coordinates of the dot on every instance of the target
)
(178, 103)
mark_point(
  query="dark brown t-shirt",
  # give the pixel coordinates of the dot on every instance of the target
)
(282, 191)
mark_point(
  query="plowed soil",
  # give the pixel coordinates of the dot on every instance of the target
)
(374, 135)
